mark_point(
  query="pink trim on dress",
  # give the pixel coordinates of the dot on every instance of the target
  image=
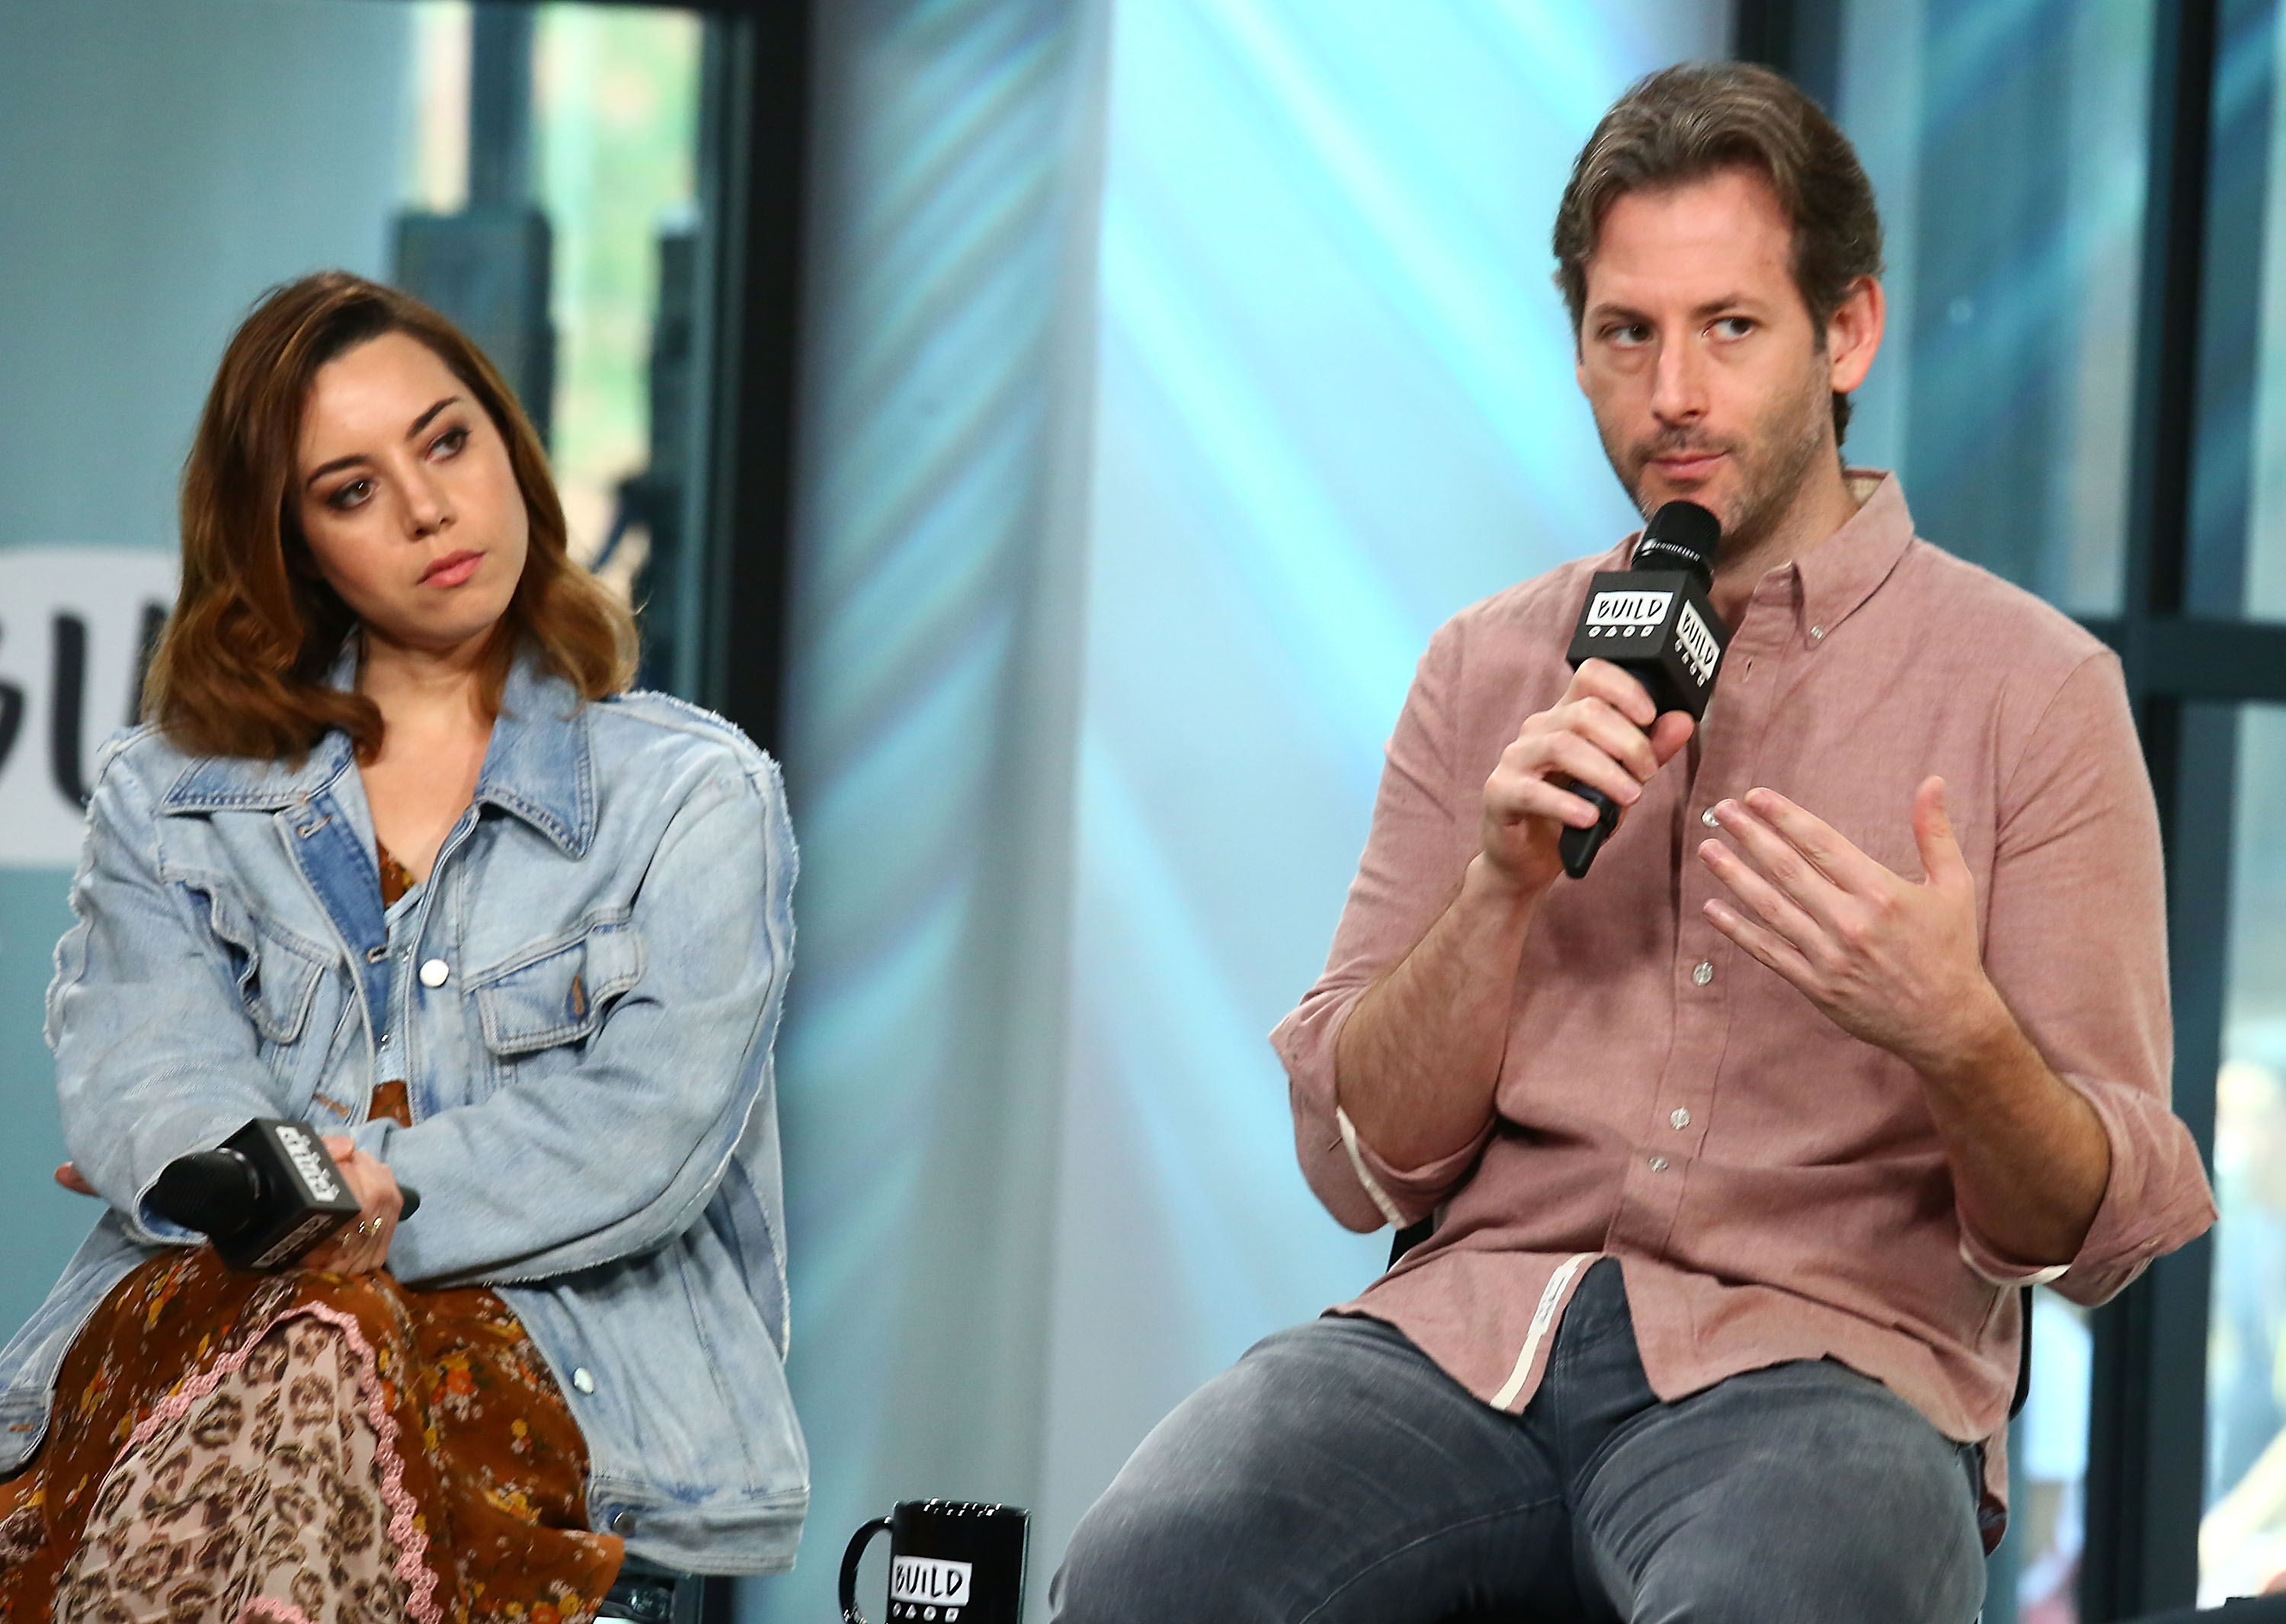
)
(270, 1607)
(412, 1544)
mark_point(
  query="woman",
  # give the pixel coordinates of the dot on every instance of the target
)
(395, 856)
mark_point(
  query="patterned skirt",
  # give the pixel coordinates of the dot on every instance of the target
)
(302, 1449)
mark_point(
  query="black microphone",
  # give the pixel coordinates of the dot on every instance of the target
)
(269, 1195)
(1653, 620)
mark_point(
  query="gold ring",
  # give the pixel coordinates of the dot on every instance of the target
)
(368, 1226)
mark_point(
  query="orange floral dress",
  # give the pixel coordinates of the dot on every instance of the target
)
(302, 1447)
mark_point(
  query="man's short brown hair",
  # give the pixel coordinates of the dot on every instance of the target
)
(1684, 123)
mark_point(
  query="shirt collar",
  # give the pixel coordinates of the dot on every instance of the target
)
(536, 768)
(1841, 572)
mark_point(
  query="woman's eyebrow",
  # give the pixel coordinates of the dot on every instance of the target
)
(339, 463)
(423, 421)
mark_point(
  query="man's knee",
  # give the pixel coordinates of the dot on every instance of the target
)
(1841, 1505)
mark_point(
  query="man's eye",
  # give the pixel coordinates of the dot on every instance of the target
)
(1627, 336)
(1733, 327)
(356, 493)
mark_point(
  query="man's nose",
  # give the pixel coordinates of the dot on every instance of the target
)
(1678, 380)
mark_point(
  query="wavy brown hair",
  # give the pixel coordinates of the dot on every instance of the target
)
(1686, 123)
(242, 669)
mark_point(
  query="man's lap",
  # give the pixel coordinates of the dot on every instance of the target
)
(1336, 1473)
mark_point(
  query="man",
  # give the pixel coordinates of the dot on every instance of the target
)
(1739, 1147)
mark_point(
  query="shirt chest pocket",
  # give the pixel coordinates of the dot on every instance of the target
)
(547, 1001)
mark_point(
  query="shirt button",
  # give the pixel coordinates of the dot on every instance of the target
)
(384, 1040)
(1709, 818)
(1703, 972)
(1659, 1164)
(1681, 1119)
(581, 1380)
(623, 1522)
(435, 973)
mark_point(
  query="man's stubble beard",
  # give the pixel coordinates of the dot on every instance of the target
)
(1774, 462)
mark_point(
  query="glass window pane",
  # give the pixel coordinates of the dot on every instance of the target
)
(2242, 1540)
(2251, 162)
(2006, 146)
(169, 160)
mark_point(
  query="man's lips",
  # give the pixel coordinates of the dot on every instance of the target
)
(1685, 465)
(451, 569)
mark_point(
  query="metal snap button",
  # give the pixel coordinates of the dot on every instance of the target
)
(623, 1522)
(581, 1380)
(1659, 1164)
(1681, 1119)
(435, 973)
(1702, 973)
(1709, 818)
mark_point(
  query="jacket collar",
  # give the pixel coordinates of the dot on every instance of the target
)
(536, 768)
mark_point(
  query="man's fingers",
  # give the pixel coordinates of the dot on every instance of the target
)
(1583, 762)
(1940, 849)
(1818, 842)
(1616, 688)
(1779, 911)
(1764, 944)
(1596, 722)
(1669, 734)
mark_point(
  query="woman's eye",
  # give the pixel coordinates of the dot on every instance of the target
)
(449, 443)
(356, 493)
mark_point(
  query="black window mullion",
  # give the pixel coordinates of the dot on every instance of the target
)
(2148, 1403)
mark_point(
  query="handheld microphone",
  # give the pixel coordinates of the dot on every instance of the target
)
(1653, 620)
(269, 1195)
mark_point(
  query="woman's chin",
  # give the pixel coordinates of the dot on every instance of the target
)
(434, 636)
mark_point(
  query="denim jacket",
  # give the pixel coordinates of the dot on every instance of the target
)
(582, 1000)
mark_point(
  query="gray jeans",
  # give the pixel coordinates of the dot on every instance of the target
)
(1336, 1474)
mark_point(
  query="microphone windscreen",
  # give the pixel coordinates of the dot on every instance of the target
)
(1680, 536)
(215, 1192)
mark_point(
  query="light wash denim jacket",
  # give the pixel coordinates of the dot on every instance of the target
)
(581, 999)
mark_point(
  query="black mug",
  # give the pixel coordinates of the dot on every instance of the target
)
(950, 1562)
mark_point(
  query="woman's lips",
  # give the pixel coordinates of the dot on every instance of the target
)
(452, 570)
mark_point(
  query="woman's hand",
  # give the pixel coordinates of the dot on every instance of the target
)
(363, 1247)
(67, 1176)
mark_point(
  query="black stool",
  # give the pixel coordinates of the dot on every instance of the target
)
(649, 1594)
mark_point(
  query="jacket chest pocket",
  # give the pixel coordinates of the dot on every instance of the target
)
(547, 1002)
(278, 972)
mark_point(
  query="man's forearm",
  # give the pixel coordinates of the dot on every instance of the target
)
(1419, 1058)
(2029, 1158)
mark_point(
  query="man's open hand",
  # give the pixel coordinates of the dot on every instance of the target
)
(1890, 961)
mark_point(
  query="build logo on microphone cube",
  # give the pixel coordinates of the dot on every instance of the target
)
(1657, 625)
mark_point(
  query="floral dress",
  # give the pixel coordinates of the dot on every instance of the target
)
(302, 1447)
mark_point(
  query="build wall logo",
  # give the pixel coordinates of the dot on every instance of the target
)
(76, 628)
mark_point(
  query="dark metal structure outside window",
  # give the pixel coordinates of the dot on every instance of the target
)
(2203, 672)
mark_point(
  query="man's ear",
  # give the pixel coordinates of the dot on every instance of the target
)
(1853, 334)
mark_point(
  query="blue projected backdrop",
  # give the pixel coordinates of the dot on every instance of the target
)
(1335, 403)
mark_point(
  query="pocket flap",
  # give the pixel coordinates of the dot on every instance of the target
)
(558, 993)
(278, 972)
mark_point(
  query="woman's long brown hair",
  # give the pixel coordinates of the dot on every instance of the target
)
(242, 669)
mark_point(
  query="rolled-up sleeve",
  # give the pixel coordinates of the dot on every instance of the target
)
(2075, 941)
(1423, 833)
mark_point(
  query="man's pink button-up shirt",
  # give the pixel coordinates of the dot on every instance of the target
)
(1774, 1188)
